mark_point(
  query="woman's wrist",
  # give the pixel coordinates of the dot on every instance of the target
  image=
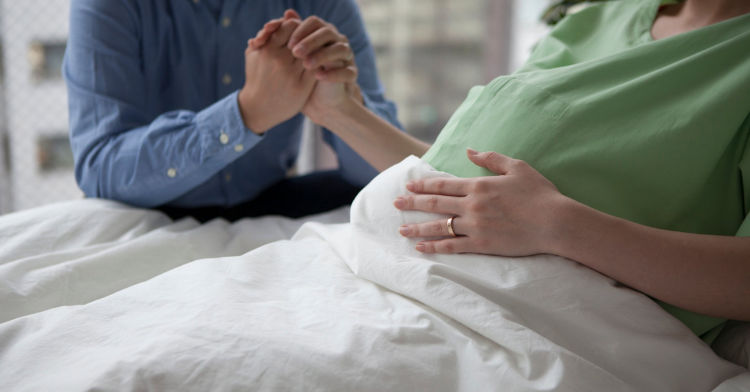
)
(570, 220)
(338, 116)
(584, 234)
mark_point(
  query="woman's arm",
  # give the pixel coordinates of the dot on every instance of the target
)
(706, 274)
(377, 141)
(519, 212)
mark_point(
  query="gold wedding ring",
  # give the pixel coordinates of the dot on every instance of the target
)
(450, 226)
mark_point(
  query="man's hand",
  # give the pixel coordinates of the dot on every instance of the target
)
(277, 85)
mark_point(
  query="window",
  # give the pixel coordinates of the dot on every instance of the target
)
(46, 60)
(430, 52)
(54, 153)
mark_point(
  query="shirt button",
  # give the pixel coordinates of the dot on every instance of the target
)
(239, 148)
(171, 173)
(227, 177)
(226, 21)
(226, 79)
(224, 138)
(196, 1)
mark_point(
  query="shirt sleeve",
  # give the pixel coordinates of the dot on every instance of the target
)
(345, 15)
(121, 150)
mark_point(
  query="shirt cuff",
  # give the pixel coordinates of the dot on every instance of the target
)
(222, 128)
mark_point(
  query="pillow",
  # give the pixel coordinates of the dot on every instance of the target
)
(733, 343)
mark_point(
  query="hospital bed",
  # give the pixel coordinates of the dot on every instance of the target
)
(96, 295)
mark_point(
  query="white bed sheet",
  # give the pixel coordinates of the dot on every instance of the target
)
(78, 251)
(118, 303)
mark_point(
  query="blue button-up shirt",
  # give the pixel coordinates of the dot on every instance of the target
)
(152, 89)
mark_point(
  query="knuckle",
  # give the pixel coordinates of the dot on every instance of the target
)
(493, 155)
(341, 47)
(429, 247)
(410, 202)
(436, 228)
(278, 60)
(448, 247)
(479, 186)
(475, 207)
(518, 164)
(440, 185)
(432, 202)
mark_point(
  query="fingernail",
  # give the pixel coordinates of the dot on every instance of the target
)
(472, 151)
(299, 50)
(310, 63)
(420, 247)
(404, 230)
(400, 202)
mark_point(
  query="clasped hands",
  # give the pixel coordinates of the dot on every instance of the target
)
(295, 66)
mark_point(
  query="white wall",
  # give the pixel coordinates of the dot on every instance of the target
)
(527, 29)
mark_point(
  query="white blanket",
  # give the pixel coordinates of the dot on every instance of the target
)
(340, 307)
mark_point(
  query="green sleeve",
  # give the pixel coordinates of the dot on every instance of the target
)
(744, 230)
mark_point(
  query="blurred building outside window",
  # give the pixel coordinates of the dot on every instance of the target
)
(429, 53)
(35, 120)
(45, 60)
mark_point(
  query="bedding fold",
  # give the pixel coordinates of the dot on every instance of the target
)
(353, 306)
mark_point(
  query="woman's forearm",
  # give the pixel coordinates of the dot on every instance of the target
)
(701, 273)
(377, 141)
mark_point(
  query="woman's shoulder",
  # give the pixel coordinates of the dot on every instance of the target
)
(596, 30)
(607, 14)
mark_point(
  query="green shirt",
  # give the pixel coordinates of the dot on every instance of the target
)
(655, 132)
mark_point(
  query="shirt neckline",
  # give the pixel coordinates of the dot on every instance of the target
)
(651, 12)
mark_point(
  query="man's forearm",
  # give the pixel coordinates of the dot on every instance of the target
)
(702, 273)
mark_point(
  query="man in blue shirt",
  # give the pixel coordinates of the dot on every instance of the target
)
(157, 116)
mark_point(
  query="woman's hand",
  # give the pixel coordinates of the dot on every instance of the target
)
(326, 52)
(511, 214)
(323, 49)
